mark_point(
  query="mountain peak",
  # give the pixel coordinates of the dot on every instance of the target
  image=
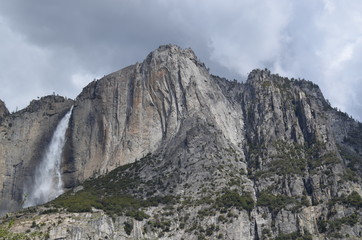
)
(172, 53)
(175, 49)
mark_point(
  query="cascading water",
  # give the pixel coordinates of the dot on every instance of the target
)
(48, 179)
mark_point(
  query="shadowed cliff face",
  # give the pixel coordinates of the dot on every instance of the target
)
(209, 143)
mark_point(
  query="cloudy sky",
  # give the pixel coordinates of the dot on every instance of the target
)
(51, 46)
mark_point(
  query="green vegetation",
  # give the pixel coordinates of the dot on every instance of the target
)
(80, 202)
(222, 219)
(293, 158)
(266, 84)
(350, 175)
(322, 225)
(113, 205)
(354, 161)
(211, 229)
(352, 200)
(266, 233)
(327, 159)
(350, 220)
(294, 236)
(50, 210)
(206, 212)
(354, 135)
(113, 193)
(334, 226)
(274, 202)
(33, 224)
(286, 166)
(231, 199)
(128, 227)
(277, 202)
(163, 224)
(6, 234)
(290, 159)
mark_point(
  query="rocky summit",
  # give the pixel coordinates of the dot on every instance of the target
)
(164, 150)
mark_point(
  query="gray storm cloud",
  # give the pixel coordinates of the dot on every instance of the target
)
(60, 46)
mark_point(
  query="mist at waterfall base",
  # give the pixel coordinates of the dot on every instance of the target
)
(48, 183)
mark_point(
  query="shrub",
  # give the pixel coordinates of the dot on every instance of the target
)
(266, 232)
(350, 220)
(50, 210)
(162, 224)
(354, 199)
(294, 236)
(137, 214)
(233, 199)
(274, 202)
(33, 224)
(128, 227)
(322, 225)
(222, 219)
(350, 175)
(334, 226)
(6, 234)
(211, 229)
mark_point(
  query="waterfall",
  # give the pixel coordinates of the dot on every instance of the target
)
(48, 183)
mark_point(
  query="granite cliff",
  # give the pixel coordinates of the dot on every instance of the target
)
(162, 149)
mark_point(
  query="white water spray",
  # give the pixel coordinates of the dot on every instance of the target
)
(48, 179)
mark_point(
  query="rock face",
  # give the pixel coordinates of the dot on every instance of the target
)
(24, 136)
(135, 111)
(262, 159)
(3, 111)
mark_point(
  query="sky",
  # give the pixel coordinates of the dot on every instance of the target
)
(49, 46)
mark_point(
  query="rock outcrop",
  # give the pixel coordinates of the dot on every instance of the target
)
(3, 111)
(202, 157)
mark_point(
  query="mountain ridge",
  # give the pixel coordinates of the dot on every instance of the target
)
(265, 159)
